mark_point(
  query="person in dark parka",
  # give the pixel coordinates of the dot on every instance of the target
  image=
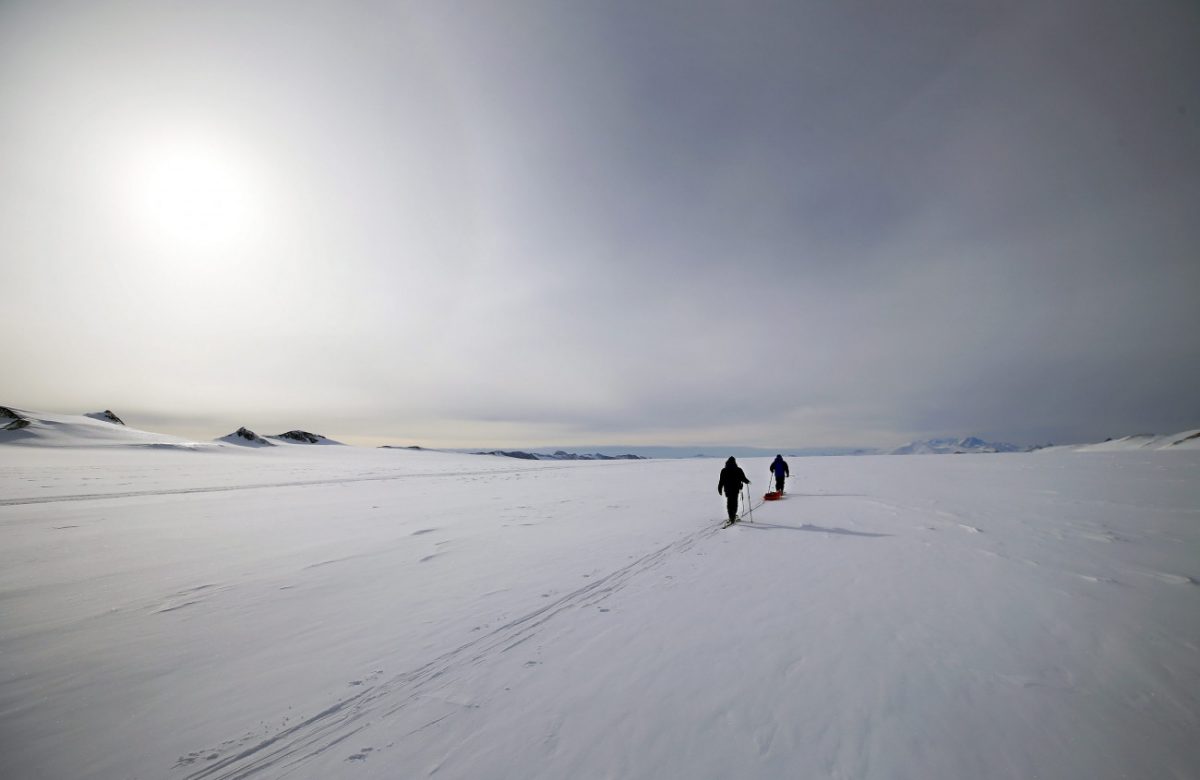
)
(780, 469)
(732, 479)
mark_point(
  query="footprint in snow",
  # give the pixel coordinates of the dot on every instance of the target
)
(1103, 536)
(1174, 579)
(1090, 578)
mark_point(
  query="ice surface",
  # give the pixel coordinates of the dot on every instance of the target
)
(330, 612)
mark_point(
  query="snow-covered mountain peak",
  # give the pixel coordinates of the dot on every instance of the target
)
(96, 429)
(953, 446)
(244, 437)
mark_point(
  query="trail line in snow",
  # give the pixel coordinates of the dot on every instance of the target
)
(289, 747)
(263, 485)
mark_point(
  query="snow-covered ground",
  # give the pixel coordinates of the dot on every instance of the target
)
(214, 611)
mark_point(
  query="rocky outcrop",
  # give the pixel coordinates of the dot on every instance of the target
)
(246, 436)
(511, 454)
(11, 421)
(107, 416)
(302, 437)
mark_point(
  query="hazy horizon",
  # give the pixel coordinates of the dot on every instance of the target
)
(527, 224)
(646, 448)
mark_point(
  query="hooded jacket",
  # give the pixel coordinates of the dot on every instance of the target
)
(732, 478)
(780, 467)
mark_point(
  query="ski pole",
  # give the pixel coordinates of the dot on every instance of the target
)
(749, 505)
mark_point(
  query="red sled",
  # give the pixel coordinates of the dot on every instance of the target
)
(774, 495)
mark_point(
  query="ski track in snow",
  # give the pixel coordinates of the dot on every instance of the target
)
(290, 747)
(190, 597)
(260, 486)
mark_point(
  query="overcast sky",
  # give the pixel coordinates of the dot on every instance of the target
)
(786, 224)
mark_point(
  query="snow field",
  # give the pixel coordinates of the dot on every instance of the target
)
(418, 613)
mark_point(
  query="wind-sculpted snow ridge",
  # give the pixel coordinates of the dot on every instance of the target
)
(96, 429)
(11, 421)
(1185, 440)
(244, 437)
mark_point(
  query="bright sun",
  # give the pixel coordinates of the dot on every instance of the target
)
(189, 194)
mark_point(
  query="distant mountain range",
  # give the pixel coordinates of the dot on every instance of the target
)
(558, 455)
(19, 426)
(951, 446)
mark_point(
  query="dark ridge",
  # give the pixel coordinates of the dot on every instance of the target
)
(249, 435)
(17, 422)
(304, 437)
(107, 416)
(511, 454)
(559, 455)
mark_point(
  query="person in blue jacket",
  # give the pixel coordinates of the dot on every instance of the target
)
(780, 469)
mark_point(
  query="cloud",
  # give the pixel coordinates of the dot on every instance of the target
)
(809, 224)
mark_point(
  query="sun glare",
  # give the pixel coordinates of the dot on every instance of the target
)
(189, 194)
